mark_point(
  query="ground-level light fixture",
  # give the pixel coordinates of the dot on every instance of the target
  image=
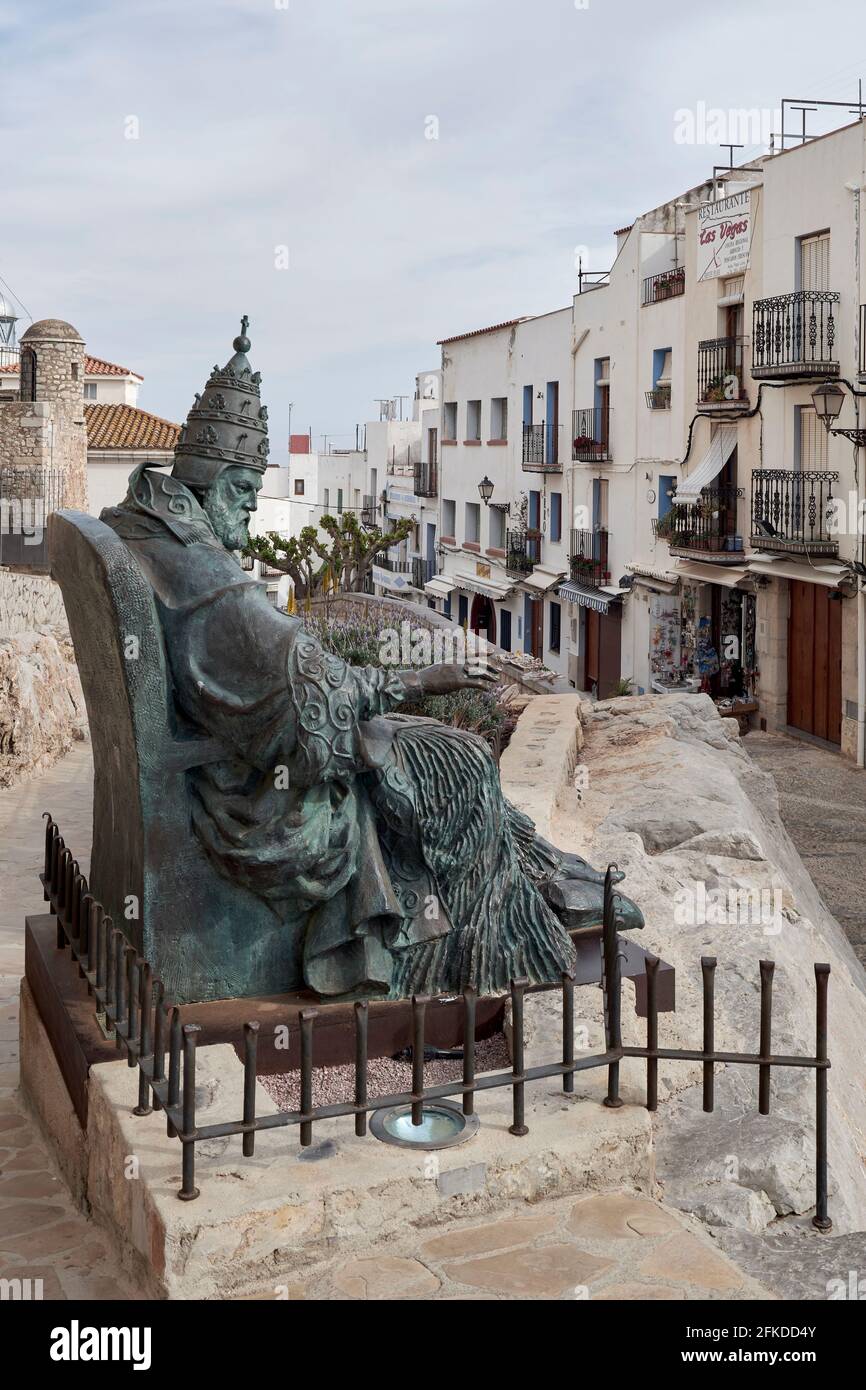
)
(485, 488)
(441, 1124)
(827, 399)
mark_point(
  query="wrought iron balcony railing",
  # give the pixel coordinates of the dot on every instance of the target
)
(792, 510)
(590, 434)
(588, 557)
(707, 526)
(659, 398)
(427, 478)
(720, 373)
(522, 552)
(795, 335)
(664, 286)
(422, 570)
(541, 448)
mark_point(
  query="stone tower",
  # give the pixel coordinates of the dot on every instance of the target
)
(46, 429)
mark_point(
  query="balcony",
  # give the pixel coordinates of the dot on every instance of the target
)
(590, 434)
(427, 478)
(522, 552)
(667, 285)
(794, 335)
(705, 529)
(659, 398)
(791, 511)
(588, 557)
(422, 570)
(541, 449)
(720, 374)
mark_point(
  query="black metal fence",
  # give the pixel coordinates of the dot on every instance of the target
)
(709, 524)
(522, 553)
(720, 371)
(426, 482)
(588, 557)
(666, 285)
(148, 1030)
(422, 570)
(659, 398)
(27, 498)
(590, 434)
(792, 509)
(795, 334)
(541, 448)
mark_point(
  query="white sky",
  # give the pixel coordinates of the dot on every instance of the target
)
(301, 123)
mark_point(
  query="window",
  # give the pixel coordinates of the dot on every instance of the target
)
(505, 629)
(556, 516)
(811, 440)
(449, 517)
(667, 482)
(815, 262)
(497, 528)
(357, 503)
(527, 406)
(339, 501)
(449, 422)
(74, 371)
(499, 417)
(327, 498)
(90, 390)
(472, 523)
(555, 625)
(299, 487)
(473, 420)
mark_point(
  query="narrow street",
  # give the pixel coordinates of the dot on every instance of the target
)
(822, 800)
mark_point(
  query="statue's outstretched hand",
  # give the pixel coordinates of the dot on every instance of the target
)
(448, 676)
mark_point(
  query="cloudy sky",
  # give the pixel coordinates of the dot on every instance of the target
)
(163, 160)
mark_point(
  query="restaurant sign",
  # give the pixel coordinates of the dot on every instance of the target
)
(724, 236)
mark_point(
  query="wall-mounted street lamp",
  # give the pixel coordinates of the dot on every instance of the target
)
(485, 488)
(828, 399)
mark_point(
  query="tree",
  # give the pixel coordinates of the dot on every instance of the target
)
(341, 563)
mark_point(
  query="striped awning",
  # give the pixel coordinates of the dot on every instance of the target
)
(722, 445)
(586, 597)
(488, 588)
(439, 586)
(542, 580)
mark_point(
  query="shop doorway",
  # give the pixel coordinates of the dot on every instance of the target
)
(483, 617)
(815, 661)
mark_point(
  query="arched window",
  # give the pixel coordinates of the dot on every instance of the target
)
(28, 374)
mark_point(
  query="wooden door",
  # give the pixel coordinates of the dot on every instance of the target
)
(609, 647)
(815, 661)
(590, 662)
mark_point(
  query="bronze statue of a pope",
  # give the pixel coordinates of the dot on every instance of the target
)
(384, 841)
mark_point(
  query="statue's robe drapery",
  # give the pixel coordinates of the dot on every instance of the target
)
(385, 840)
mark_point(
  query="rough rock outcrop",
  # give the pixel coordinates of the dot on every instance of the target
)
(41, 702)
(672, 796)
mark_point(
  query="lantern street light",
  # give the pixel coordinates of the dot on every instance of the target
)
(485, 488)
(827, 399)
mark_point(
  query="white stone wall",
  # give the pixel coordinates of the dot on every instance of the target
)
(29, 601)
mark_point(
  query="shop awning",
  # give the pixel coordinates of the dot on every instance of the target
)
(722, 445)
(827, 574)
(439, 586)
(488, 588)
(542, 580)
(662, 581)
(586, 597)
(729, 576)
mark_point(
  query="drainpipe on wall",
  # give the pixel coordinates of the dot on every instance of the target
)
(861, 592)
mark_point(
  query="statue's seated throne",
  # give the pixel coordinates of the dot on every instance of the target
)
(206, 938)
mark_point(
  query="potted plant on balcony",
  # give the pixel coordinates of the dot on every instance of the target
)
(714, 391)
(583, 444)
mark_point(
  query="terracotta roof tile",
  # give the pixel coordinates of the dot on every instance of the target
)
(97, 366)
(127, 427)
(476, 332)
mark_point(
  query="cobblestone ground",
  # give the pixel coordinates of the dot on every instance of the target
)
(822, 800)
(612, 1246)
(42, 1234)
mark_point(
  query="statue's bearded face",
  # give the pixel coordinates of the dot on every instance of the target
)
(228, 503)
